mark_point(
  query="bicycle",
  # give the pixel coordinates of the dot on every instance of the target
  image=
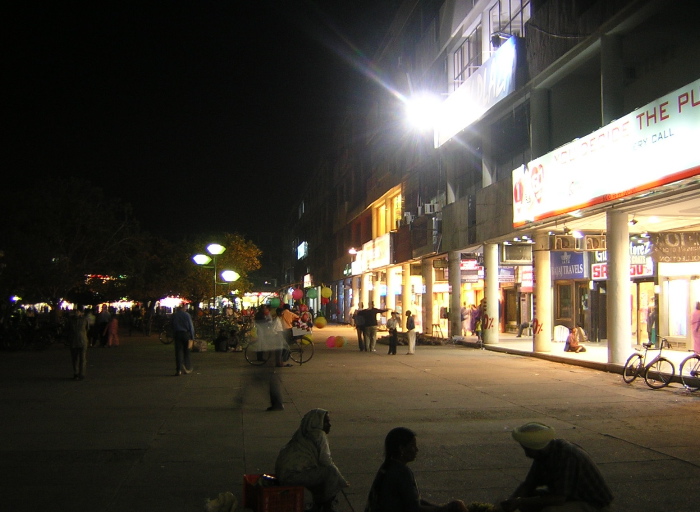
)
(166, 334)
(301, 350)
(658, 373)
(690, 372)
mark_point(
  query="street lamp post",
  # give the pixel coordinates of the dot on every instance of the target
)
(227, 275)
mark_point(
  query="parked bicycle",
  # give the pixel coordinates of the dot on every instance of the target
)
(301, 350)
(690, 372)
(657, 373)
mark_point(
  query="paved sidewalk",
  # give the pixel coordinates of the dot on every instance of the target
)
(132, 437)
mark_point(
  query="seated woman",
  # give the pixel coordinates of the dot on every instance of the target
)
(306, 461)
(572, 342)
(394, 488)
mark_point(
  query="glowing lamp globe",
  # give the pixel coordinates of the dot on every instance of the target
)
(320, 322)
(326, 292)
(330, 342)
(306, 340)
(297, 294)
(303, 308)
(324, 300)
(312, 293)
(274, 302)
(339, 341)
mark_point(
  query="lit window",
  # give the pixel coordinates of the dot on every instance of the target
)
(467, 58)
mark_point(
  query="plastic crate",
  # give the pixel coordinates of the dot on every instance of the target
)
(271, 499)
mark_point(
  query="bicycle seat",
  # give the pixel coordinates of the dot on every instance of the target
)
(647, 345)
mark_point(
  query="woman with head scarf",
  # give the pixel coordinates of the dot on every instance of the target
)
(394, 488)
(306, 461)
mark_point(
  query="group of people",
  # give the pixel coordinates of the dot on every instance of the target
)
(562, 476)
(366, 326)
(85, 329)
(471, 317)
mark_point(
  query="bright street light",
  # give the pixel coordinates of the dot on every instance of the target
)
(422, 111)
(227, 275)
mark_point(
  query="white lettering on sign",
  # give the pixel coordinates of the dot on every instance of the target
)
(657, 141)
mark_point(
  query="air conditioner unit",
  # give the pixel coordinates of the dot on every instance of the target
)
(429, 208)
(563, 243)
(594, 243)
(407, 217)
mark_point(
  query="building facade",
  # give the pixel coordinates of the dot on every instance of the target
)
(559, 183)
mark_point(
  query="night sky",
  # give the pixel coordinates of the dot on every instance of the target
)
(211, 107)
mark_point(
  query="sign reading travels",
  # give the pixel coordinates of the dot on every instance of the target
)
(650, 147)
(567, 265)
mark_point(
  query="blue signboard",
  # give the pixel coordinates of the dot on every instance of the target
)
(567, 265)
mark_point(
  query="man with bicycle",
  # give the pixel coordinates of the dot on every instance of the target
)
(562, 476)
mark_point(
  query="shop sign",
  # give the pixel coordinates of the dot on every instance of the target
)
(599, 271)
(470, 271)
(676, 247)
(506, 274)
(441, 288)
(641, 262)
(377, 253)
(567, 265)
(526, 280)
(658, 141)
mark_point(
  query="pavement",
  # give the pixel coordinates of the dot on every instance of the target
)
(133, 437)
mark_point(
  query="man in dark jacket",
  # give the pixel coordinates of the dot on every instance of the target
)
(370, 316)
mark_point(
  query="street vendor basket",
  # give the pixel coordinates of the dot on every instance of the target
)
(260, 496)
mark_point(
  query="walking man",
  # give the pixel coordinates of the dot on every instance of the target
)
(183, 332)
(78, 339)
(359, 321)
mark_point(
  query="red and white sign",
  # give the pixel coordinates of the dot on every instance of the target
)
(599, 271)
(652, 146)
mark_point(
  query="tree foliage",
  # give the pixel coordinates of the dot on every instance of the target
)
(56, 233)
(61, 231)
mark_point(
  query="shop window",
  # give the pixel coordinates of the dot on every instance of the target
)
(677, 307)
(564, 302)
(510, 16)
(467, 58)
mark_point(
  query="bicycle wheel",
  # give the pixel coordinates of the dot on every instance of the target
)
(256, 357)
(166, 335)
(301, 352)
(690, 372)
(631, 369)
(659, 373)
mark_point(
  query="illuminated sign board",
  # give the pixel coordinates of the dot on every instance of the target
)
(653, 146)
(492, 82)
(302, 250)
(567, 265)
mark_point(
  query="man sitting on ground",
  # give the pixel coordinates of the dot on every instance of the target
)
(562, 476)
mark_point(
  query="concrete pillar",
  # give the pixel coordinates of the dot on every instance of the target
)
(539, 122)
(356, 286)
(491, 324)
(427, 311)
(612, 94)
(366, 284)
(542, 323)
(455, 279)
(390, 297)
(406, 293)
(374, 294)
(618, 300)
